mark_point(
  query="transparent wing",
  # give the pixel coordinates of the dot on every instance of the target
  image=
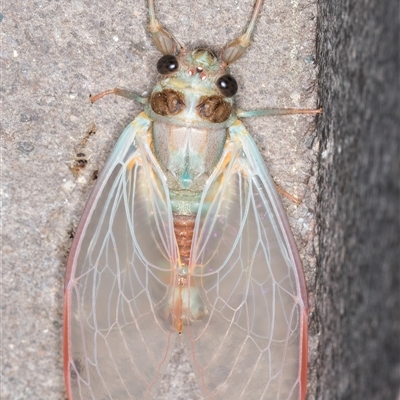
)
(120, 275)
(245, 267)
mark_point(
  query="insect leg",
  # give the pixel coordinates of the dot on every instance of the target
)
(120, 92)
(279, 111)
(289, 196)
(276, 111)
(235, 49)
(163, 40)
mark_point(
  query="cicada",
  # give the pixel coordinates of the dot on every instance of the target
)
(184, 236)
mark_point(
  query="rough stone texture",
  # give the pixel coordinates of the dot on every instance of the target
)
(358, 292)
(53, 55)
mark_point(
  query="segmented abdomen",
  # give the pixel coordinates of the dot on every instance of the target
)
(184, 227)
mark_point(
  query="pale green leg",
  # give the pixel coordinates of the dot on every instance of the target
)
(276, 111)
(163, 40)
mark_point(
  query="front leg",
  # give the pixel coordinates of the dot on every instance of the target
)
(120, 92)
(268, 112)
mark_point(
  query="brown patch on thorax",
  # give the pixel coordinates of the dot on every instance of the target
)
(214, 108)
(167, 102)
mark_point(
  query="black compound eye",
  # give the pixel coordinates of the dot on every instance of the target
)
(167, 64)
(227, 85)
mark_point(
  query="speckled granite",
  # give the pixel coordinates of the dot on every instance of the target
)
(53, 55)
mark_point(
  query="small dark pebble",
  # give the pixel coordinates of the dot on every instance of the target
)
(25, 147)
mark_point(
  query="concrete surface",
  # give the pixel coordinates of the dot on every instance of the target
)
(53, 55)
(358, 292)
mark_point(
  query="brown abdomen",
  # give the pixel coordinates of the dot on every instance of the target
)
(184, 227)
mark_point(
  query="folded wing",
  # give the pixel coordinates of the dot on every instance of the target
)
(245, 266)
(120, 275)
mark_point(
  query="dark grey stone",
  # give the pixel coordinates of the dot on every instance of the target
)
(358, 295)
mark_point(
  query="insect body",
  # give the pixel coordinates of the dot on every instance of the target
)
(184, 234)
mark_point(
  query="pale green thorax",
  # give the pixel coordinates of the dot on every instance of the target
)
(192, 107)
